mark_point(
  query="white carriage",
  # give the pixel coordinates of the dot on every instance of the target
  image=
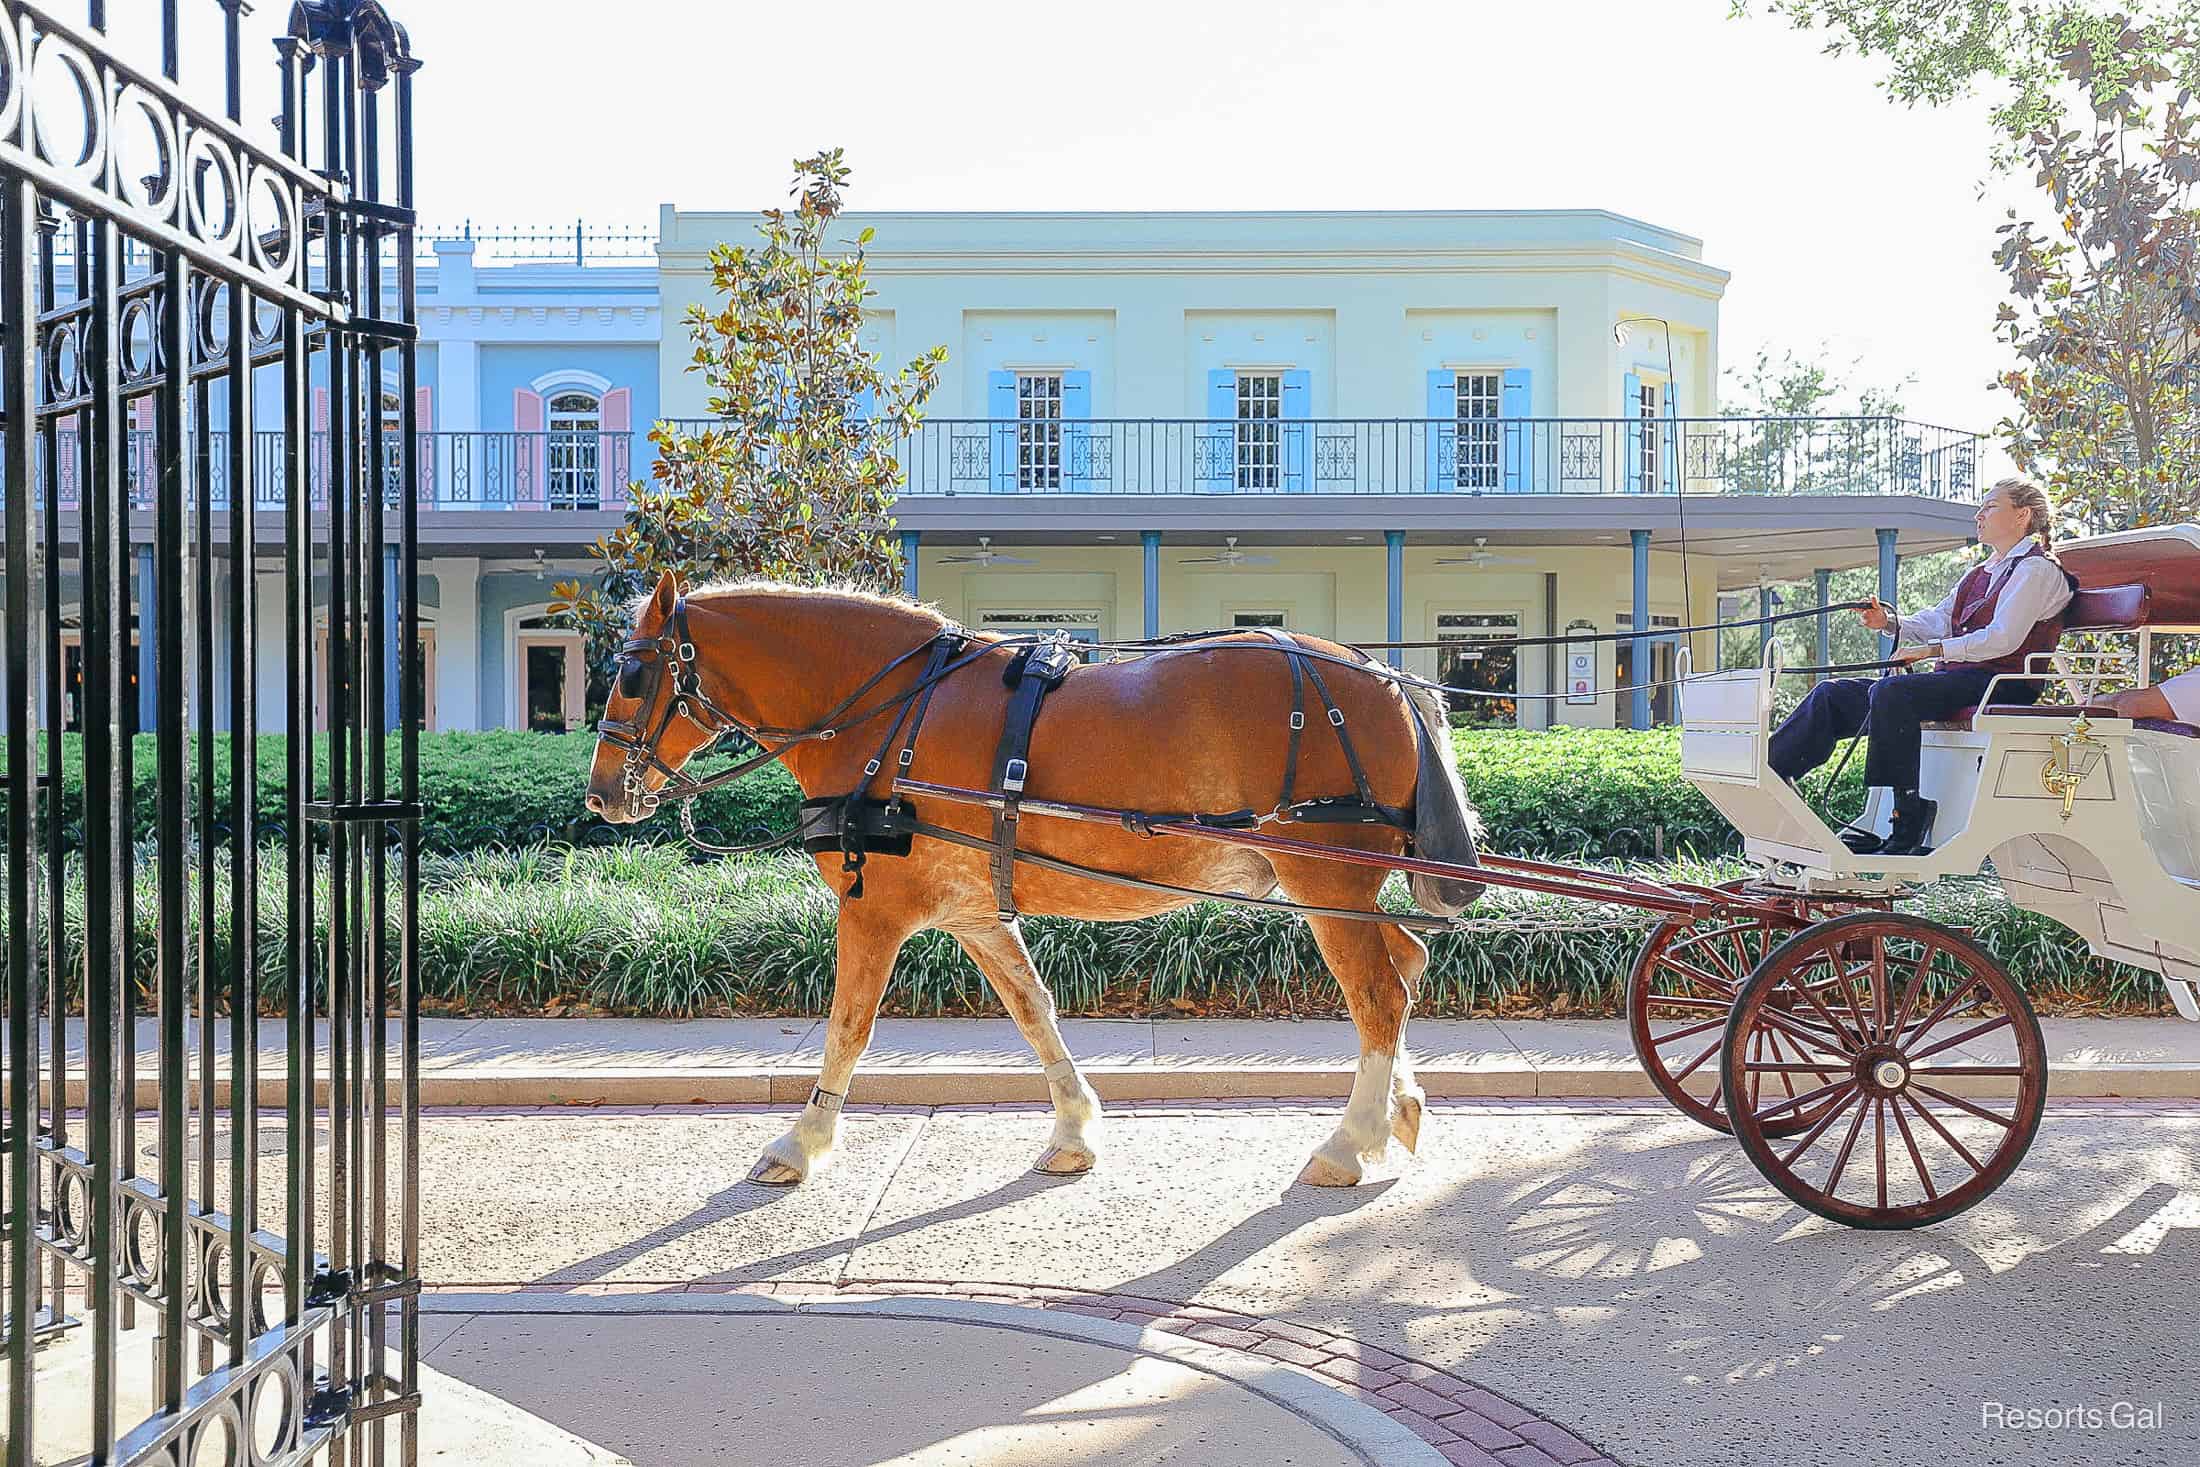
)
(1845, 1022)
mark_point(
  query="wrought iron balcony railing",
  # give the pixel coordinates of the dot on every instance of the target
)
(476, 470)
(962, 456)
(1441, 456)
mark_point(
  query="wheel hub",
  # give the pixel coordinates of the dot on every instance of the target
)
(1883, 1070)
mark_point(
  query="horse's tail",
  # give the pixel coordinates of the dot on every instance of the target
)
(1445, 826)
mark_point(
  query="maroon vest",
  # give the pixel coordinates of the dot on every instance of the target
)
(1976, 598)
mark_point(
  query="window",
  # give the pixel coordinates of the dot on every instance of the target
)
(550, 683)
(1491, 678)
(1664, 666)
(1259, 619)
(1646, 408)
(1478, 457)
(575, 421)
(1079, 623)
(1039, 430)
(72, 676)
(1259, 430)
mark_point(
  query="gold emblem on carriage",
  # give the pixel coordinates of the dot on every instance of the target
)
(2073, 759)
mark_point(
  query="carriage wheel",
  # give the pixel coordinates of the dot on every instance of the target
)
(1680, 992)
(1938, 1074)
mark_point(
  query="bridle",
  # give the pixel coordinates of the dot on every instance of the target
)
(645, 663)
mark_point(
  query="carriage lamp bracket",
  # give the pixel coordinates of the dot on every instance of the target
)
(2074, 757)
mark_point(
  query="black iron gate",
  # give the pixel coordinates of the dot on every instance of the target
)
(169, 1200)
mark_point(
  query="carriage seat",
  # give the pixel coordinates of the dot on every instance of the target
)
(2094, 609)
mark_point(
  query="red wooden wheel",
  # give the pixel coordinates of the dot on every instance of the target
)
(1938, 1074)
(1681, 991)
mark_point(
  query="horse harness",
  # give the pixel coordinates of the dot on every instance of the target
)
(857, 825)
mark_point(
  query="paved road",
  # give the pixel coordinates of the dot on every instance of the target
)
(1619, 1270)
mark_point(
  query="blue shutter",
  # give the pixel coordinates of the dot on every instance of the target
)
(1516, 438)
(1000, 432)
(1670, 459)
(1442, 428)
(1630, 435)
(1214, 450)
(1297, 430)
(1077, 440)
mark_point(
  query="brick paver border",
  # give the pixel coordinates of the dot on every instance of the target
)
(1468, 1424)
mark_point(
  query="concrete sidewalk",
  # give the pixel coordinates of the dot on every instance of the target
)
(965, 1061)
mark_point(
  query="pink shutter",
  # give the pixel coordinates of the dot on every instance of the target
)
(527, 446)
(424, 441)
(612, 452)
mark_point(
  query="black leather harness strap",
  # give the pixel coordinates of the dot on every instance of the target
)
(1292, 660)
(1032, 674)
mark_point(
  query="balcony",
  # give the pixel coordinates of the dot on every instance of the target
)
(957, 457)
(1389, 456)
(455, 471)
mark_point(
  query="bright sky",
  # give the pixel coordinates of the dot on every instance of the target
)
(1843, 218)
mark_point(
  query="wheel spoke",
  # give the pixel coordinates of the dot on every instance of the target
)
(1796, 1031)
(1841, 1157)
(1879, 1147)
(1917, 1158)
(1675, 1001)
(1690, 1068)
(1948, 1136)
(2005, 1122)
(1660, 1041)
(1781, 1108)
(1772, 1047)
(1712, 981)
(1971, 1070)
(1791, 1067)
(1832, 1114)
(1835, 1024)
(1879, 1012)
(1986, 1028)
(1941, 1011)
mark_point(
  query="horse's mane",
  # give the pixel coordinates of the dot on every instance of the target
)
(713, 590)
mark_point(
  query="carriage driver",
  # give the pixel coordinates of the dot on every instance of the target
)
(2002, 612)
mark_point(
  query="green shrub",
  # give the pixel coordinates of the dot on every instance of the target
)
(641, 929)
(1614, 794)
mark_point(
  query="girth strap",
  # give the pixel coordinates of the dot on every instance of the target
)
(1032, 674)
(1302, 669)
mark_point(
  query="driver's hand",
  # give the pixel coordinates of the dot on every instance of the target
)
(1876, 616)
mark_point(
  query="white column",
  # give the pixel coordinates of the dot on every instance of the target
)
(458, 385)
(457, 641)
(271, 691)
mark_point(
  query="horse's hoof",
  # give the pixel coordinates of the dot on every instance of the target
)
(1405, 1122)
(771, 1173)
(1323, 1171)
(1064, 1161)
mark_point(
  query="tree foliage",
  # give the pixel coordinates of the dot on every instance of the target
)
(1799, 425)
(2104, 318)
(2035, 59)
(795, 479)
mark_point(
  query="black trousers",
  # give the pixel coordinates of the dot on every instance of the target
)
(1896, 706)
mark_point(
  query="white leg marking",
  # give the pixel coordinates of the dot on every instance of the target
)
(1364, 1133)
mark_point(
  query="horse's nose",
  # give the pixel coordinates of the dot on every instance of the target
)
(595, 803)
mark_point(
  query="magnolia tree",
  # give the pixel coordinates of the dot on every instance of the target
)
(795, 479)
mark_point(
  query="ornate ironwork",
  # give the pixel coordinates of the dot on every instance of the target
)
(139, 301)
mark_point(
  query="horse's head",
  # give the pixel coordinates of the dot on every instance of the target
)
(650, 728)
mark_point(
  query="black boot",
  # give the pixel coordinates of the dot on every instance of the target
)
(1861, 840)
(1913, 823)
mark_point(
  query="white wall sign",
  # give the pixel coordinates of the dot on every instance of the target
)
(1581, 666)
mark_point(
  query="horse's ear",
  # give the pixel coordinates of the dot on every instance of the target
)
(660, 600)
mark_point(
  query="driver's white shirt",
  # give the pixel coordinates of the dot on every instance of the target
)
(2183, 692)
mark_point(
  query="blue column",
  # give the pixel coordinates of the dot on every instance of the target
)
(393, 694)
(1150, 545)
(148, 614)
(1638, 711)
(1823, 580)
(909, 542)
(1888, 584)
(1394, 542)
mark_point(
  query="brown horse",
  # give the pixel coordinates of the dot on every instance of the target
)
(1193, 728)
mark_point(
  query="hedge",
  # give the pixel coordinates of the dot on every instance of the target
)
(643, 930)
(1609, 793)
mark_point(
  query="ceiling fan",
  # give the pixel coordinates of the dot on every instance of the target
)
(985, 554)
(1481, 556)
(1229, 555)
